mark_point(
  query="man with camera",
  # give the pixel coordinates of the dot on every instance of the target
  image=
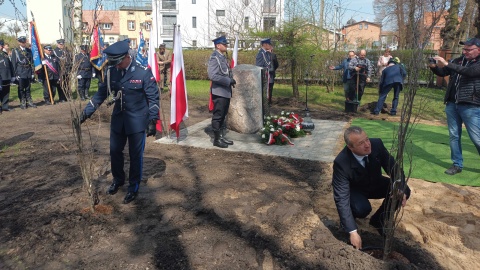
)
(462, 98)
(362, 70)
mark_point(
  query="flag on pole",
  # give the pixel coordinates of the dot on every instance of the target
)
(178, 105)
(153, 43)
(234, 62)
(97, 57)
(141, 58)
(37, 51)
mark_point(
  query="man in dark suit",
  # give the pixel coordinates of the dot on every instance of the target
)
(221, 89)
(52, 64)
(6, 77)
(65, 57)
(22, 62)
(134, 93)
(266, 59)
(85, 72)
(357, 177)
(392, 78)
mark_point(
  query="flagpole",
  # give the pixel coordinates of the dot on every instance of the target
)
(40, 52)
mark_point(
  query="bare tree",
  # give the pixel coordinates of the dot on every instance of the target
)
(470, 7)
(14, 29)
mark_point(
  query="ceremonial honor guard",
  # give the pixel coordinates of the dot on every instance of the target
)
(65, 57)
(22, 62)
(264, 59)
(134, 93)
(85, 72)
(52, 64)
(6, 77)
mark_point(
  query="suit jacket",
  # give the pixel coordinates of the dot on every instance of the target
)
(219, 74)
(65, 59)
(166, 58)
(85, 68)
(6, 69)
(264, 59)
(53, 74)
(22, 62)
(139, 102)
(393, 74)
(349, 174)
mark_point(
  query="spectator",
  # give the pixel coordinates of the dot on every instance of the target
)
(164, 59)
(346, 72)
(392, 77)
(382, 62)
(362, 70)
(462, 99)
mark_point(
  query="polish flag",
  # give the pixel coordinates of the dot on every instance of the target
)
(234, 62)
(152, 57)
(178, 105)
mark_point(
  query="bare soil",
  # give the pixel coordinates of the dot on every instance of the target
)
(203, 208)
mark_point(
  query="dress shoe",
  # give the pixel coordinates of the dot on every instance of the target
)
(129, 197)
(113, 188)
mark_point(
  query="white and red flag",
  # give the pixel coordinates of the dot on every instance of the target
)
(152, 57)
(234, 61)
(179, 104)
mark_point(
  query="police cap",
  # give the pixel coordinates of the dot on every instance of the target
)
(116, 52)
(266, 41)
(220, 40)
(61, 41)
(83, 47)
(48, 47)
(22, 39)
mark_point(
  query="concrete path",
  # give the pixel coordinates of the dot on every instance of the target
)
(320, 145)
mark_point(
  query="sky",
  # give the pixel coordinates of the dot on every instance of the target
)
(356, 9)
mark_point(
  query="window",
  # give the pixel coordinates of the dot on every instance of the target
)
(133, 42)
(111, 40)
(148, 13)
(131, 25)
(268, 23)
(360, 26)
(220, 13)
(106, 26)
(194, 2)
(85, 40)
(246, 22)
(270, 6)
(365, 26)
(194, 22)
(168, 21)
(194, 43)
(246, 2)
(130, 13)
(147, 25)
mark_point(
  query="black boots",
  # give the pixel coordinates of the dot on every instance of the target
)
(217, 141)
(223, 138)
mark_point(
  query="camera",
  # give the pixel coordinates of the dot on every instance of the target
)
(431, 60)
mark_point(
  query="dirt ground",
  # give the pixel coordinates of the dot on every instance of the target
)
(203, 209)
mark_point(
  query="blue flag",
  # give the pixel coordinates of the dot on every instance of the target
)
(142, 58)
(97, 57)
(36, 50)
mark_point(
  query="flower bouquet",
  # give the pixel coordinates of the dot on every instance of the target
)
(280, 129)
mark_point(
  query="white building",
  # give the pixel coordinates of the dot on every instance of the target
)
(53, 19)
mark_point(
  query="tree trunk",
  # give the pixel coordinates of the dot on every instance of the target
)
(464, 29)
(477, 19)
(448, 33)
(293, 70)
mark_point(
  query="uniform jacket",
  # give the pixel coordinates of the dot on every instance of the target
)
(393, 74)
(6, 69)
(166, 58)
(346, 72)
(22, 62)
(65, 59)
(467, 73)
(264, 59)
(218, 73)
(367, 69)
(53, 68)
(139, 102)
(85, 68)
(348, 174)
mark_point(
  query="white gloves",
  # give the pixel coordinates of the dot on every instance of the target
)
(44, 62)
(33, 77)
(93, 75)
(79, 76)
(18, 78)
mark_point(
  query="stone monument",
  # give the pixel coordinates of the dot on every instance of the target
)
(246, 105)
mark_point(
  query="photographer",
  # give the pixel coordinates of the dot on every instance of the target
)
(362, 70)
(462, 98)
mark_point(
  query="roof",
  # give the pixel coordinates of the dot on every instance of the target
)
(144, 8)
(364, 21)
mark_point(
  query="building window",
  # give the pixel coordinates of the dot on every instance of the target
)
(148, 25)
(270, 6)
(133, 42)
(246, 2)
(365, 26)
(246, 22)
(148, 13)
(194, 43)
(219, 34)
(85, 40)
(106, 26)
(268, 23)
(220, 13)
(131, 25)
(194, 2)
(111, 40)
(194, 22)
(360, 26)
(168, 21)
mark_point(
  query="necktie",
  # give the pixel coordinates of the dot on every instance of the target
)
(365, 159)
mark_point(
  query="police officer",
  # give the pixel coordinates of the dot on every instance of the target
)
(85, 72)
(135, 94)
(266, 59)
(6, 77)
(22, 62)
(65, 57)
(221, 90)
(52, 64)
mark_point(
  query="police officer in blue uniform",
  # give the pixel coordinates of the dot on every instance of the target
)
(22, 62)
(134, 93)
(52, 64)
(6, 77)
(267, 59)
(85, 72)
(65, 57)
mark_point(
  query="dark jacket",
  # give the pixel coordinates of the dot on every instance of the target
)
(346, 72)
(218, 73)
(6, 69)
(264, 59)
(348, 174)
(467, 73)
(85, 68)
(53, 68)
(22, 62)
(65, 59)
(139, 102)
(393, 74)
(366, 66)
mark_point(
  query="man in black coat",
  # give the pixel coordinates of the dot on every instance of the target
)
(357, 177)
(85, 72)
(267, 59)
(22, 62)
(52, 64)
(134, 93)
(6, 77)
(66, 58)
(392, 78)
